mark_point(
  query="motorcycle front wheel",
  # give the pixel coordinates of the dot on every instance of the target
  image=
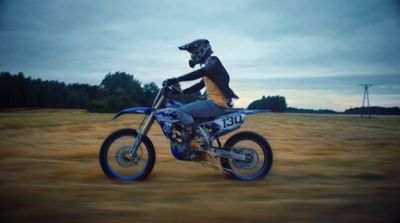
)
(114, 161)
(258, 155)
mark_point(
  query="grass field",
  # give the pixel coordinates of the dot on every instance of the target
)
(326, 169)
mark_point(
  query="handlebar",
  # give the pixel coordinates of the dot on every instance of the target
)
(166, 89)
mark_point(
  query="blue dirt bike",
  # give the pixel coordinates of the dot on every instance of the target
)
(129, 154)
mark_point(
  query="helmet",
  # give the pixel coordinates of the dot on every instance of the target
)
(199, 51)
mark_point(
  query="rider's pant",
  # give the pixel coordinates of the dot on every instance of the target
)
(199, 109)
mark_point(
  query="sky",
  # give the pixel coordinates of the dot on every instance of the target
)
(313, 52)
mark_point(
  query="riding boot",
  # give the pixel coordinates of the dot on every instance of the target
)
(197, 141)
(194, 143)
(191, 132)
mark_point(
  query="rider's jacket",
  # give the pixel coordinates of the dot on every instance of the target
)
(214, 93)
(213, 74)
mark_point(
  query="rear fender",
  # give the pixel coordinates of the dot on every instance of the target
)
(135, 110)
(255, 111)
(229, 122)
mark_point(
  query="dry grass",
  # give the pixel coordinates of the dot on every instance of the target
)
(326, 169)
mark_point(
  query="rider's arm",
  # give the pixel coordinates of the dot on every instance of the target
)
(195, 88)
(192, 75)
(199, 73)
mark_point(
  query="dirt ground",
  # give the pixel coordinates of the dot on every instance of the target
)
(326, 169)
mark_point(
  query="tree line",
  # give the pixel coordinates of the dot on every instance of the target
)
(374, 110)
(120, 90)
(20, 91)
(310, 111)
(116, 91)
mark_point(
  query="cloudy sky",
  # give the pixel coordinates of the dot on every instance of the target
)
(313, 52)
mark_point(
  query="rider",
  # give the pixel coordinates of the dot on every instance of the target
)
(213, 77)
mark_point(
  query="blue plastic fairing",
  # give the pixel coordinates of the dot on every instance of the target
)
(135, 110)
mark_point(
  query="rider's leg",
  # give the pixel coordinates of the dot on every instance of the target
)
(202, 109)
(188, 123)
(198, 109)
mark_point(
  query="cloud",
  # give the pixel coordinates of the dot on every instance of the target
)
(334, 92)
(81, 41)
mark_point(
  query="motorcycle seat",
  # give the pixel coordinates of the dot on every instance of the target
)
(227, 111)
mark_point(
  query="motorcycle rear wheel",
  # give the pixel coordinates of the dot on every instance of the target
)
(258, 154)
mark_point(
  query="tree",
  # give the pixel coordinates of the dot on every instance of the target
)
(121, 83)
(150, 91)
(274, 103)
(120, 90)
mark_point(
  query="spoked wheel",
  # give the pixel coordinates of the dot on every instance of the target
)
(257, 153)
(116, 163)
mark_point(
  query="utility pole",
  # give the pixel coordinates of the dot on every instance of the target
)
(366, 97)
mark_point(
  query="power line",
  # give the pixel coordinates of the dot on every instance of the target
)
(366, 98)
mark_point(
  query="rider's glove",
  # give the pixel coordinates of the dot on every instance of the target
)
(171, 81)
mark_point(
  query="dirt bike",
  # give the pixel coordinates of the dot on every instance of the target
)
(129, 154)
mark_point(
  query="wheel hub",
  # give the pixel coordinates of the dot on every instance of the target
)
(124, 159)
(251, 159)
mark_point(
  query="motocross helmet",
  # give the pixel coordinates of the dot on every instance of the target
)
(199, 51)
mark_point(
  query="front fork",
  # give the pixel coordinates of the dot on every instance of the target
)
(144, 129)
(141, 132)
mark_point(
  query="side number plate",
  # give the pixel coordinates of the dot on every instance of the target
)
(233, 120)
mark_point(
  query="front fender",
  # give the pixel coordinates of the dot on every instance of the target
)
(135, 110)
